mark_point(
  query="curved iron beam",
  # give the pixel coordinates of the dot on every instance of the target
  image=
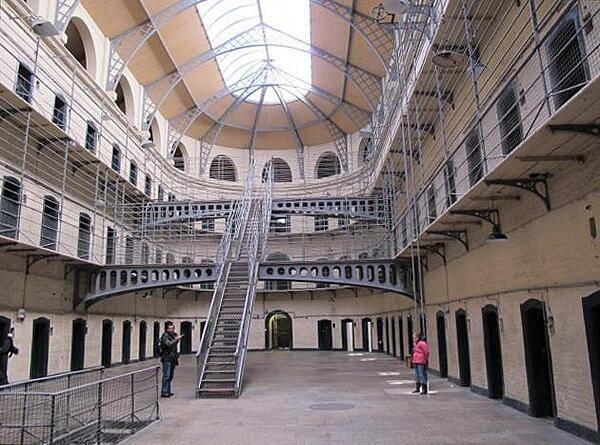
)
(367, 83)
(131, 41)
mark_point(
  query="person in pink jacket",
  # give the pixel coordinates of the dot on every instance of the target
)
(420, 358)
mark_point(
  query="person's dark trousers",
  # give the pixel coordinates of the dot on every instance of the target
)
(3, 369)
(168, 369)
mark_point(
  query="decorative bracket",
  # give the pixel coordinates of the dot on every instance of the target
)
(461, 236)
(438, 249)
(490, 215)
(531, 184)
(32, 259)
(591, 129)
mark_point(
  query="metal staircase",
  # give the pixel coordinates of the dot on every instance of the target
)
(224, 343)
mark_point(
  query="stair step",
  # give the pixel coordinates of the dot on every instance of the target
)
(216, 393)
(219, 371)
(212, 380)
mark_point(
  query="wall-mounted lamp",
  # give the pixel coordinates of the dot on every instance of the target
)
(43, 27)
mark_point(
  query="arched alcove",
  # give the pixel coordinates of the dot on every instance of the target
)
(278, 331)
(81, 45)
(124, 98)
(365, 150)
(328, 164)
(180, 157)
(154, 134)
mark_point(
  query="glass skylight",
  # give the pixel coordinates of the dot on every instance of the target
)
(261, 25)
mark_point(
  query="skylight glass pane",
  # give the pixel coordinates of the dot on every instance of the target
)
(261, 25)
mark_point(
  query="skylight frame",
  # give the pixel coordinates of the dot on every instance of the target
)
(224, 25)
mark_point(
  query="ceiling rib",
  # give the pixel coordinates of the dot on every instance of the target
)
(126, 45)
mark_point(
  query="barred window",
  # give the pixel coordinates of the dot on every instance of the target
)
(281, 171)
(59, 114)
(49, 228)
(222, 168)
(24, 84)
(10, 207)
(509, 118)
(116, 159)
(83, 240)
(474, 156)
(328, 164)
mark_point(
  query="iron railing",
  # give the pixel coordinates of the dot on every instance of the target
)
(103, 411)
(559, 59)
(56, 382)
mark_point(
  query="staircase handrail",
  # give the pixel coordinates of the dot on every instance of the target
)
(224, 258)
(256, 247)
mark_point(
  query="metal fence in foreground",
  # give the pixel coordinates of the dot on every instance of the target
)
(56, 382)
(104, 411)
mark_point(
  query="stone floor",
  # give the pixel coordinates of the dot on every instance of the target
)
(303, 397)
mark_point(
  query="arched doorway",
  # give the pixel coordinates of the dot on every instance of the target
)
(324, 335)
(78, 333)
(591, 315)
(142, 341)
(538, 359)
(493, 352)
(40, 346)
(126, 344)
(462, 343)
(366, 334)
(387, 335)
(278, 329)
(106, 350)
(185, 345)
(393, 329)
(348, 340)
(155, 338)
(441, 338)
(379, 323)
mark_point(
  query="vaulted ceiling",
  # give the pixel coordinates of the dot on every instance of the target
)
(168, 47)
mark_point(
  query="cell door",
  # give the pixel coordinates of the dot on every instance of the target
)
(40, 345)
(78, 344)
(185, 345)
(462, 342)
(393, 325)
(441, 338)
(324, 334)
(493, 352)
(538, 361)
(380, 335)
(366, 333)
(591, 314)
(106, 351)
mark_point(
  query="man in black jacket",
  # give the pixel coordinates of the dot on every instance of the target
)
(169, 357)
(7, 349)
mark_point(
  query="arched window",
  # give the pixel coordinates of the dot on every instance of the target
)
(80, 44)
(124, 99)
(328, 164)
(178, 157)
(10, 204)
(222, 168)
(365, 150)
(281, 171)
(49, 223)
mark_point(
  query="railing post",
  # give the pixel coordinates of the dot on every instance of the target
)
(24, 416)
(99, 401)
(52, 417)
(132, 398)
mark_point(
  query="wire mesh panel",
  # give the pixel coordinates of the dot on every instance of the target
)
(102, 411)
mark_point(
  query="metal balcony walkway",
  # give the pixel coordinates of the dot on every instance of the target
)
(222, 352)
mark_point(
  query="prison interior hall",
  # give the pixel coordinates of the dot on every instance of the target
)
(368, 221)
